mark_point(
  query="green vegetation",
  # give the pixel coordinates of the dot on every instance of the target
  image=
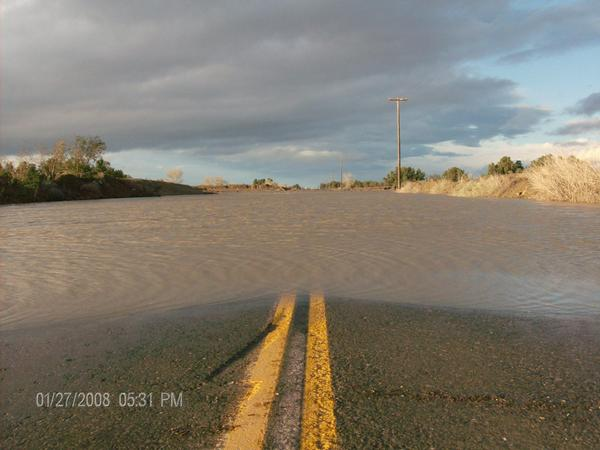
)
(76, 171)
(263, 182)
(330, 185)
(82, 160)
(353, 184)
(505, 166)
(454, 174)
(406, 174)
(366, 184)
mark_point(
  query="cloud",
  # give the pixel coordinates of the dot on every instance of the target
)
(494, 149)
(580, 127)
(278, 78)
(588, 105)
(548, 30)
(576, 143)
(291, 153)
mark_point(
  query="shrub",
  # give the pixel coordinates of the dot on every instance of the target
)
(454, 174)
(330, 185)
(103, 169)
(266, 182)
(505, 166)
(406, 174)
(80, 160)
(565, 179)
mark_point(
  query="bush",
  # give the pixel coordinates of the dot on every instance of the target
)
(454, 174)
(330, 185)
(263, 182)
(505, 166)
(406, 174)
(366, 183)
(565, 179)
(80, 160)
(103, 169)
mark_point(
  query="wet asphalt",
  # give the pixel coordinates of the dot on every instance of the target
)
(403, 377)
(200, 353)
(415, 377)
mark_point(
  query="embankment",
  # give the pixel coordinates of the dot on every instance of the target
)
(70, 187)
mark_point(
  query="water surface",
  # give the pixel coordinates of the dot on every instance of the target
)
(109, 258)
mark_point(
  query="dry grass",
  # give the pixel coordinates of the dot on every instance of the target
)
(559, 179)
(566, 180)
(489, 186)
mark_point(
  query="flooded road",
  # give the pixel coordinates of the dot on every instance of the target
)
(110, 258)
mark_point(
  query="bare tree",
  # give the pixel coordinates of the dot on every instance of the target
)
(54, 166)
(175, 175)
(348, 180)
(214, 181)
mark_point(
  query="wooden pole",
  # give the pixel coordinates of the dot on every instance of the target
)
(398, 168)
(398, 171)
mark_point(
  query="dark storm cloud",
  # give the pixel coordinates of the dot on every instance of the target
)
(553, 29)
(228, 77)
(588, 105)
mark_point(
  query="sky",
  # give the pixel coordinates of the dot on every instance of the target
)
(289, 89)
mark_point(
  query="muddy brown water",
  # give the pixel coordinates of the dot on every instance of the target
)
(110, 258)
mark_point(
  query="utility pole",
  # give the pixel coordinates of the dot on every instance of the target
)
(398, 100)
(341, 171)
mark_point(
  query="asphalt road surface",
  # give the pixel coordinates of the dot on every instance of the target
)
(307, 371)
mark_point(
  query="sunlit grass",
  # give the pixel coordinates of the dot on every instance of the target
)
(565, 179)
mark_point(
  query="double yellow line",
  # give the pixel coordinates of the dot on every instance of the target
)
(318, 418)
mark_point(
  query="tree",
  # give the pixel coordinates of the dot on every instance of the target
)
(104, 169)
(406, 174)
(29, 176)
(175, 175)
(505, 166)
(348, 180)
(454, 174)
(84, 152)
(54, 166)
(90, 149)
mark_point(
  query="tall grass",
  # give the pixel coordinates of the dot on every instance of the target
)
(565, 179)
(486, 186)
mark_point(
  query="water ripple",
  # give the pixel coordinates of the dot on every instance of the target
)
(116, 257)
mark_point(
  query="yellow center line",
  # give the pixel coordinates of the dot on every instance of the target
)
(318, 418)
(250, 424)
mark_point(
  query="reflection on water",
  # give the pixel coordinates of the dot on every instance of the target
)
(113, 257)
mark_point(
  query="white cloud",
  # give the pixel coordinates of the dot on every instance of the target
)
(494, 149)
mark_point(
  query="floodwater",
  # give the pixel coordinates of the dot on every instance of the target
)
(110, 258)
